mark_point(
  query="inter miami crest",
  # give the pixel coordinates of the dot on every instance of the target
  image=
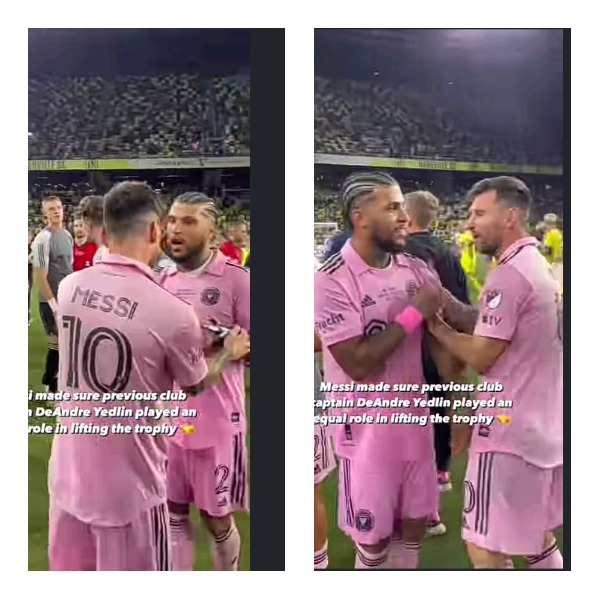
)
(364, 520)
(210, 296)
(375, 326)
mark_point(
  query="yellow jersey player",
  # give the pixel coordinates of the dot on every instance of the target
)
(552, 246)
(468, 259)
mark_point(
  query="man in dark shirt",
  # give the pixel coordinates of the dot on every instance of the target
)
(422, 208)
(335, 244)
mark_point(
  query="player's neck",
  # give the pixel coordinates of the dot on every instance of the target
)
(56, 227)
(81, 242)
(509, 242)
(371, 254)
(131, 249)
(96, 236)
(195, 262)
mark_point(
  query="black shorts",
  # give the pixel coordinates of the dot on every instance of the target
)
(48, 319)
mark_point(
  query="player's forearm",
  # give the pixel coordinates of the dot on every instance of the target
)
(372, 353)
(462, 317)
(216, 366)
(449, 367)
(463, 347)
(44, 286)
(318, 345)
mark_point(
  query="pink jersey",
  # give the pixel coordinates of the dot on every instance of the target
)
(351, 300)
(219, 289)
(118, 331)
(101, 253)
(521, 304)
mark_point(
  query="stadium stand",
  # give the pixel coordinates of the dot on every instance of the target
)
(137, 116)
(363, 118)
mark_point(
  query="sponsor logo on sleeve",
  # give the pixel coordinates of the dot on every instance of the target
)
(194, 356)
(491, 320)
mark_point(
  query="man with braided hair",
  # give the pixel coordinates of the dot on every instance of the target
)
(207, 467)
(371, 302)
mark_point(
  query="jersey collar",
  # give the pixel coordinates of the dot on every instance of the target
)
(516, 247)
(118, 260)
(215, 266)
(357, 265)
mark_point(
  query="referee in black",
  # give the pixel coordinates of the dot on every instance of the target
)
(422, 208)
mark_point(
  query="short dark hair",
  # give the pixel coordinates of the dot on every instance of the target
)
(91, 208)
(129, 207)
(358, 186)
(509, 190)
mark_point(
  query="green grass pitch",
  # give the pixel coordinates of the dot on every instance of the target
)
(39, 452)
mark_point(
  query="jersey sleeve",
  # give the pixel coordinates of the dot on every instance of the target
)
(185, 358)
(338, 316)
(41, 250)
(241, 300)
(502, 300)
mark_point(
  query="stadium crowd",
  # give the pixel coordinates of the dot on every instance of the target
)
(170, 115)
(356, 117)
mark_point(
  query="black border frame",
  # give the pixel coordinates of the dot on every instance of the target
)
(267, 182)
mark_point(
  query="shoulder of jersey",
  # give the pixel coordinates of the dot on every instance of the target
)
(232, 264)
(333, 264)
(415, 260)
(43, 234)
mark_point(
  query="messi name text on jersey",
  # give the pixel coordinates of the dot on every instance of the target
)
(121, 307)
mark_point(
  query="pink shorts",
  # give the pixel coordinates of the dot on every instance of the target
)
(372, 496)
(213, 479)
(324, 459)
(510, 504)
(142, 545)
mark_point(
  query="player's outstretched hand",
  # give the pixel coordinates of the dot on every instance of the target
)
(237, 343)
(461, 438)
(427, 301)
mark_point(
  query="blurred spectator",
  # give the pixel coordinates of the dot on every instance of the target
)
(234, 247)
(168, 115)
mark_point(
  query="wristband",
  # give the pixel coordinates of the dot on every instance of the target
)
(53, 304)
(409, 319)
